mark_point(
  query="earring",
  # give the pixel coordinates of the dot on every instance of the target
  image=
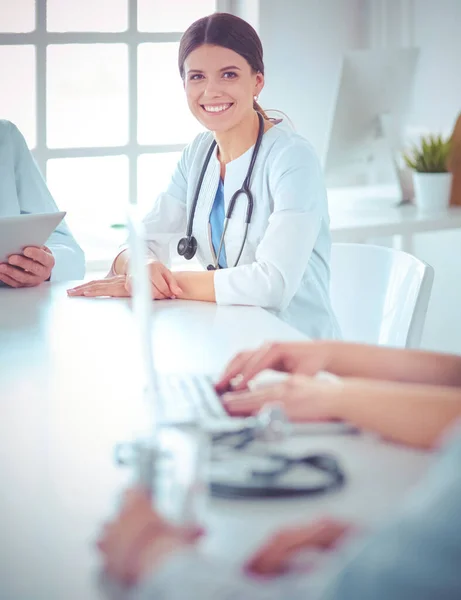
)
(255, 98)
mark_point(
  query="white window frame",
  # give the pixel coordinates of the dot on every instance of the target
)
(41, 39)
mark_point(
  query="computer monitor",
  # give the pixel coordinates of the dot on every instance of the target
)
(366, 133)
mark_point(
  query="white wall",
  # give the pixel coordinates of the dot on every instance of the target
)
(303, 43)
(435, 28)
(437, 31)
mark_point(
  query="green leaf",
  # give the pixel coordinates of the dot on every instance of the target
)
(430, 156)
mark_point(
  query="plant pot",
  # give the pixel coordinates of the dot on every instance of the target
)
(432, 191)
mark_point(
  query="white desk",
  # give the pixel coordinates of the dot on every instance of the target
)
(361, 214)
(68, 394)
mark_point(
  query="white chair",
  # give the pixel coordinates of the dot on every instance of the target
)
(380, 295)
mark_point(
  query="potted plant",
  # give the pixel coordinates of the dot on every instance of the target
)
(431, 178)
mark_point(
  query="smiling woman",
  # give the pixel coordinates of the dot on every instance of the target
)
(248, 194)
(242, 40)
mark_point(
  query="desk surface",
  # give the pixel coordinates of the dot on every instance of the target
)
(361, 213)
(68, 394)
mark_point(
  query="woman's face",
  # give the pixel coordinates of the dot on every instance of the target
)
(220, 86)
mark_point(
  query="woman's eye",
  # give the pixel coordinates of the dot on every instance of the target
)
(195, 77)
(229, 75)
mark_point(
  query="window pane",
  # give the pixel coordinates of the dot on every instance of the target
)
(163, 118)
(18, 105)
(17, 16)
(154, 174)
(94, 192)
(174, 15)
(87, 15)
(87, 95)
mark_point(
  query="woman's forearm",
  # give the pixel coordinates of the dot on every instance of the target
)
(377, 362)
(415, 415)
(120, 264)
(196, 285)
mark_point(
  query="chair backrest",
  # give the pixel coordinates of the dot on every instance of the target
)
(380, 295)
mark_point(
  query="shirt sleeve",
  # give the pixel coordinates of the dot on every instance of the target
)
(191, 575)
(35, 197)
(282, 256)
(418, 555)
(168, 216)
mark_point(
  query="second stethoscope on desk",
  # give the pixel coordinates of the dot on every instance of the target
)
(244, 464)
(187, 246)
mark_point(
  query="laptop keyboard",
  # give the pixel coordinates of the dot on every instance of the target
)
(188, 399)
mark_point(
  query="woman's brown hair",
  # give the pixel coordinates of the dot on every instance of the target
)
(227, 31)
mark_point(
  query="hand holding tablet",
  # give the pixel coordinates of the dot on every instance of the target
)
(24, 261)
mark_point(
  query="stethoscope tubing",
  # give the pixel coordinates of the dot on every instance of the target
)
(245, 190)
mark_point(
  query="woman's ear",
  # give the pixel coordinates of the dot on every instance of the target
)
(259, 84)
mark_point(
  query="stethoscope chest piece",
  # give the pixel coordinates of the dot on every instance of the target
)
(187, 247)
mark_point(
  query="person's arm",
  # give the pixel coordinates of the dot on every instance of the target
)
(193, 285)
(345, 360)
(167, 217)
(35, 197)
(192, 575)
(196, 285)
(139, 548)
(120, 264)
(377, 362)
(414, 415)
(417, 556)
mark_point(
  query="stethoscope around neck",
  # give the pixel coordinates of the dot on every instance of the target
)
(187, 246)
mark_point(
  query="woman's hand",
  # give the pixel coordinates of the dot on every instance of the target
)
(139, 539)
(115, 287)
(274, 556)
(302, 398)
(163, 285)
(302, 358)
(29, 269)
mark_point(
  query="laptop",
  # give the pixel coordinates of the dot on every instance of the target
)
(184, 399)
(174, 399)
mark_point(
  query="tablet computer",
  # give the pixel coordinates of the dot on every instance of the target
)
(20, 231)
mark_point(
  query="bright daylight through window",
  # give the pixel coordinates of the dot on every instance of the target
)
(94, 87)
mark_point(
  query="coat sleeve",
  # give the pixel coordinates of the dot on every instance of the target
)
(35, 197)
(417, 556)
(282, 255)
(168, 216)
(191, 575)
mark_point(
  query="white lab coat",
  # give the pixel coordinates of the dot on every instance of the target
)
(24, 191)
(284, 266)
